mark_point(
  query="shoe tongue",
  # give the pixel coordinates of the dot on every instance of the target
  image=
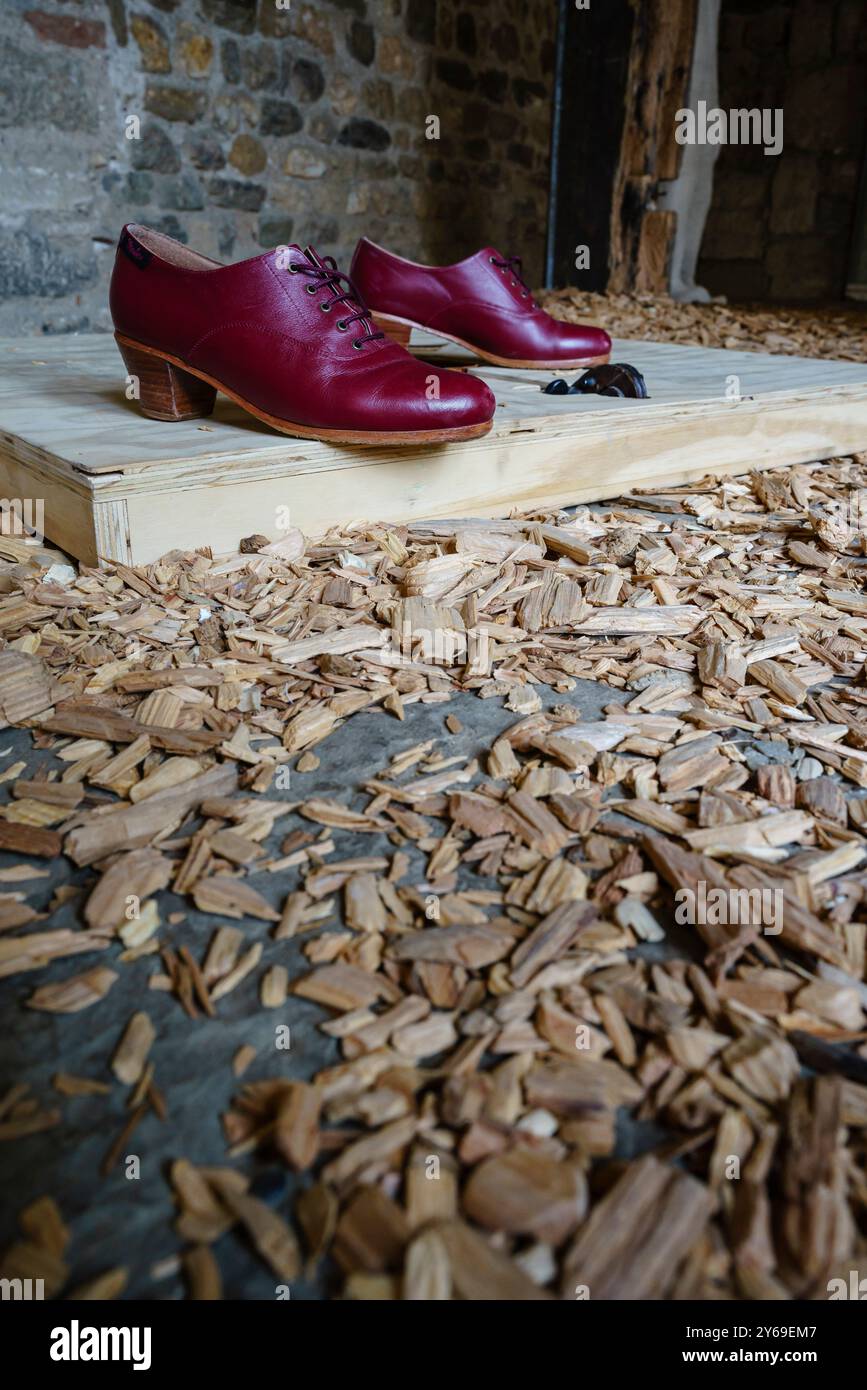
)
(313, 257)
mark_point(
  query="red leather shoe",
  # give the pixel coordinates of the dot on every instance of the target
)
(286, 336)
(481, 303)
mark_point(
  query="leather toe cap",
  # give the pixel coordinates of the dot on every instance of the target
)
(582, 340)
(463, 400)
(422, 397)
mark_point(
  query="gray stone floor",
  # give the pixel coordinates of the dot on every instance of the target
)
(117, 1220)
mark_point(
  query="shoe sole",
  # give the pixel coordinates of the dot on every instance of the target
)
(399, 331)
(165, 395)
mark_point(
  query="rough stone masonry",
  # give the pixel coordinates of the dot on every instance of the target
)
(235, 125)
(781, 228)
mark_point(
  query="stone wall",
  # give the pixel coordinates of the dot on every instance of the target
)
(253, 123)
(781, 227)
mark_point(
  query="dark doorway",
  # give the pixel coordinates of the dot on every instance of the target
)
(593, 50)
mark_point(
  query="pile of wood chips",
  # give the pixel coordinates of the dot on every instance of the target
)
(839, 333)
(510, 974)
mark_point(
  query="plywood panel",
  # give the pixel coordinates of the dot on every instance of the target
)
(124, 487)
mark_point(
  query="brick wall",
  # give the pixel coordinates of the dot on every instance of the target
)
(781, 227)
(259, 124)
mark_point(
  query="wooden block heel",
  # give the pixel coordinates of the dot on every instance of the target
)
(394, 329)
(165, 390)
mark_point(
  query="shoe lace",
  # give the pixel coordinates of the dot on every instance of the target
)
(326, 275)
(514, 265)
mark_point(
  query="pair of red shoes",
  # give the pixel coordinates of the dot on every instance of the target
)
(317, 353)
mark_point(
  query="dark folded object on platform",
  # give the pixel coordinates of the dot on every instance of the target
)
(612, 379)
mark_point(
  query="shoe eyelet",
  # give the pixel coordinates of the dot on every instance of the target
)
(523, 294)
(326, 308)
(357, 345)
(292, 268)
(341, 326)
(491, 260)
(311, 289)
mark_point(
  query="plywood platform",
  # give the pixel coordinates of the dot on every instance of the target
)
(117, 486)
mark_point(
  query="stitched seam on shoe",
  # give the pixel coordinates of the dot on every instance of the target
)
(279, 280)
(254, 325)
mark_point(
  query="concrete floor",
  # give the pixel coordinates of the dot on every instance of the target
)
(117, 1220)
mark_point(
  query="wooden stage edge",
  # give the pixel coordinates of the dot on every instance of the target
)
(114, 486)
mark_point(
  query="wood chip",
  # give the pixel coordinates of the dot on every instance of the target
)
(76, 993)
(132, 1051)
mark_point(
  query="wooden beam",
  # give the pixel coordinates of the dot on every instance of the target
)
(657, 84)
(622, 74)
